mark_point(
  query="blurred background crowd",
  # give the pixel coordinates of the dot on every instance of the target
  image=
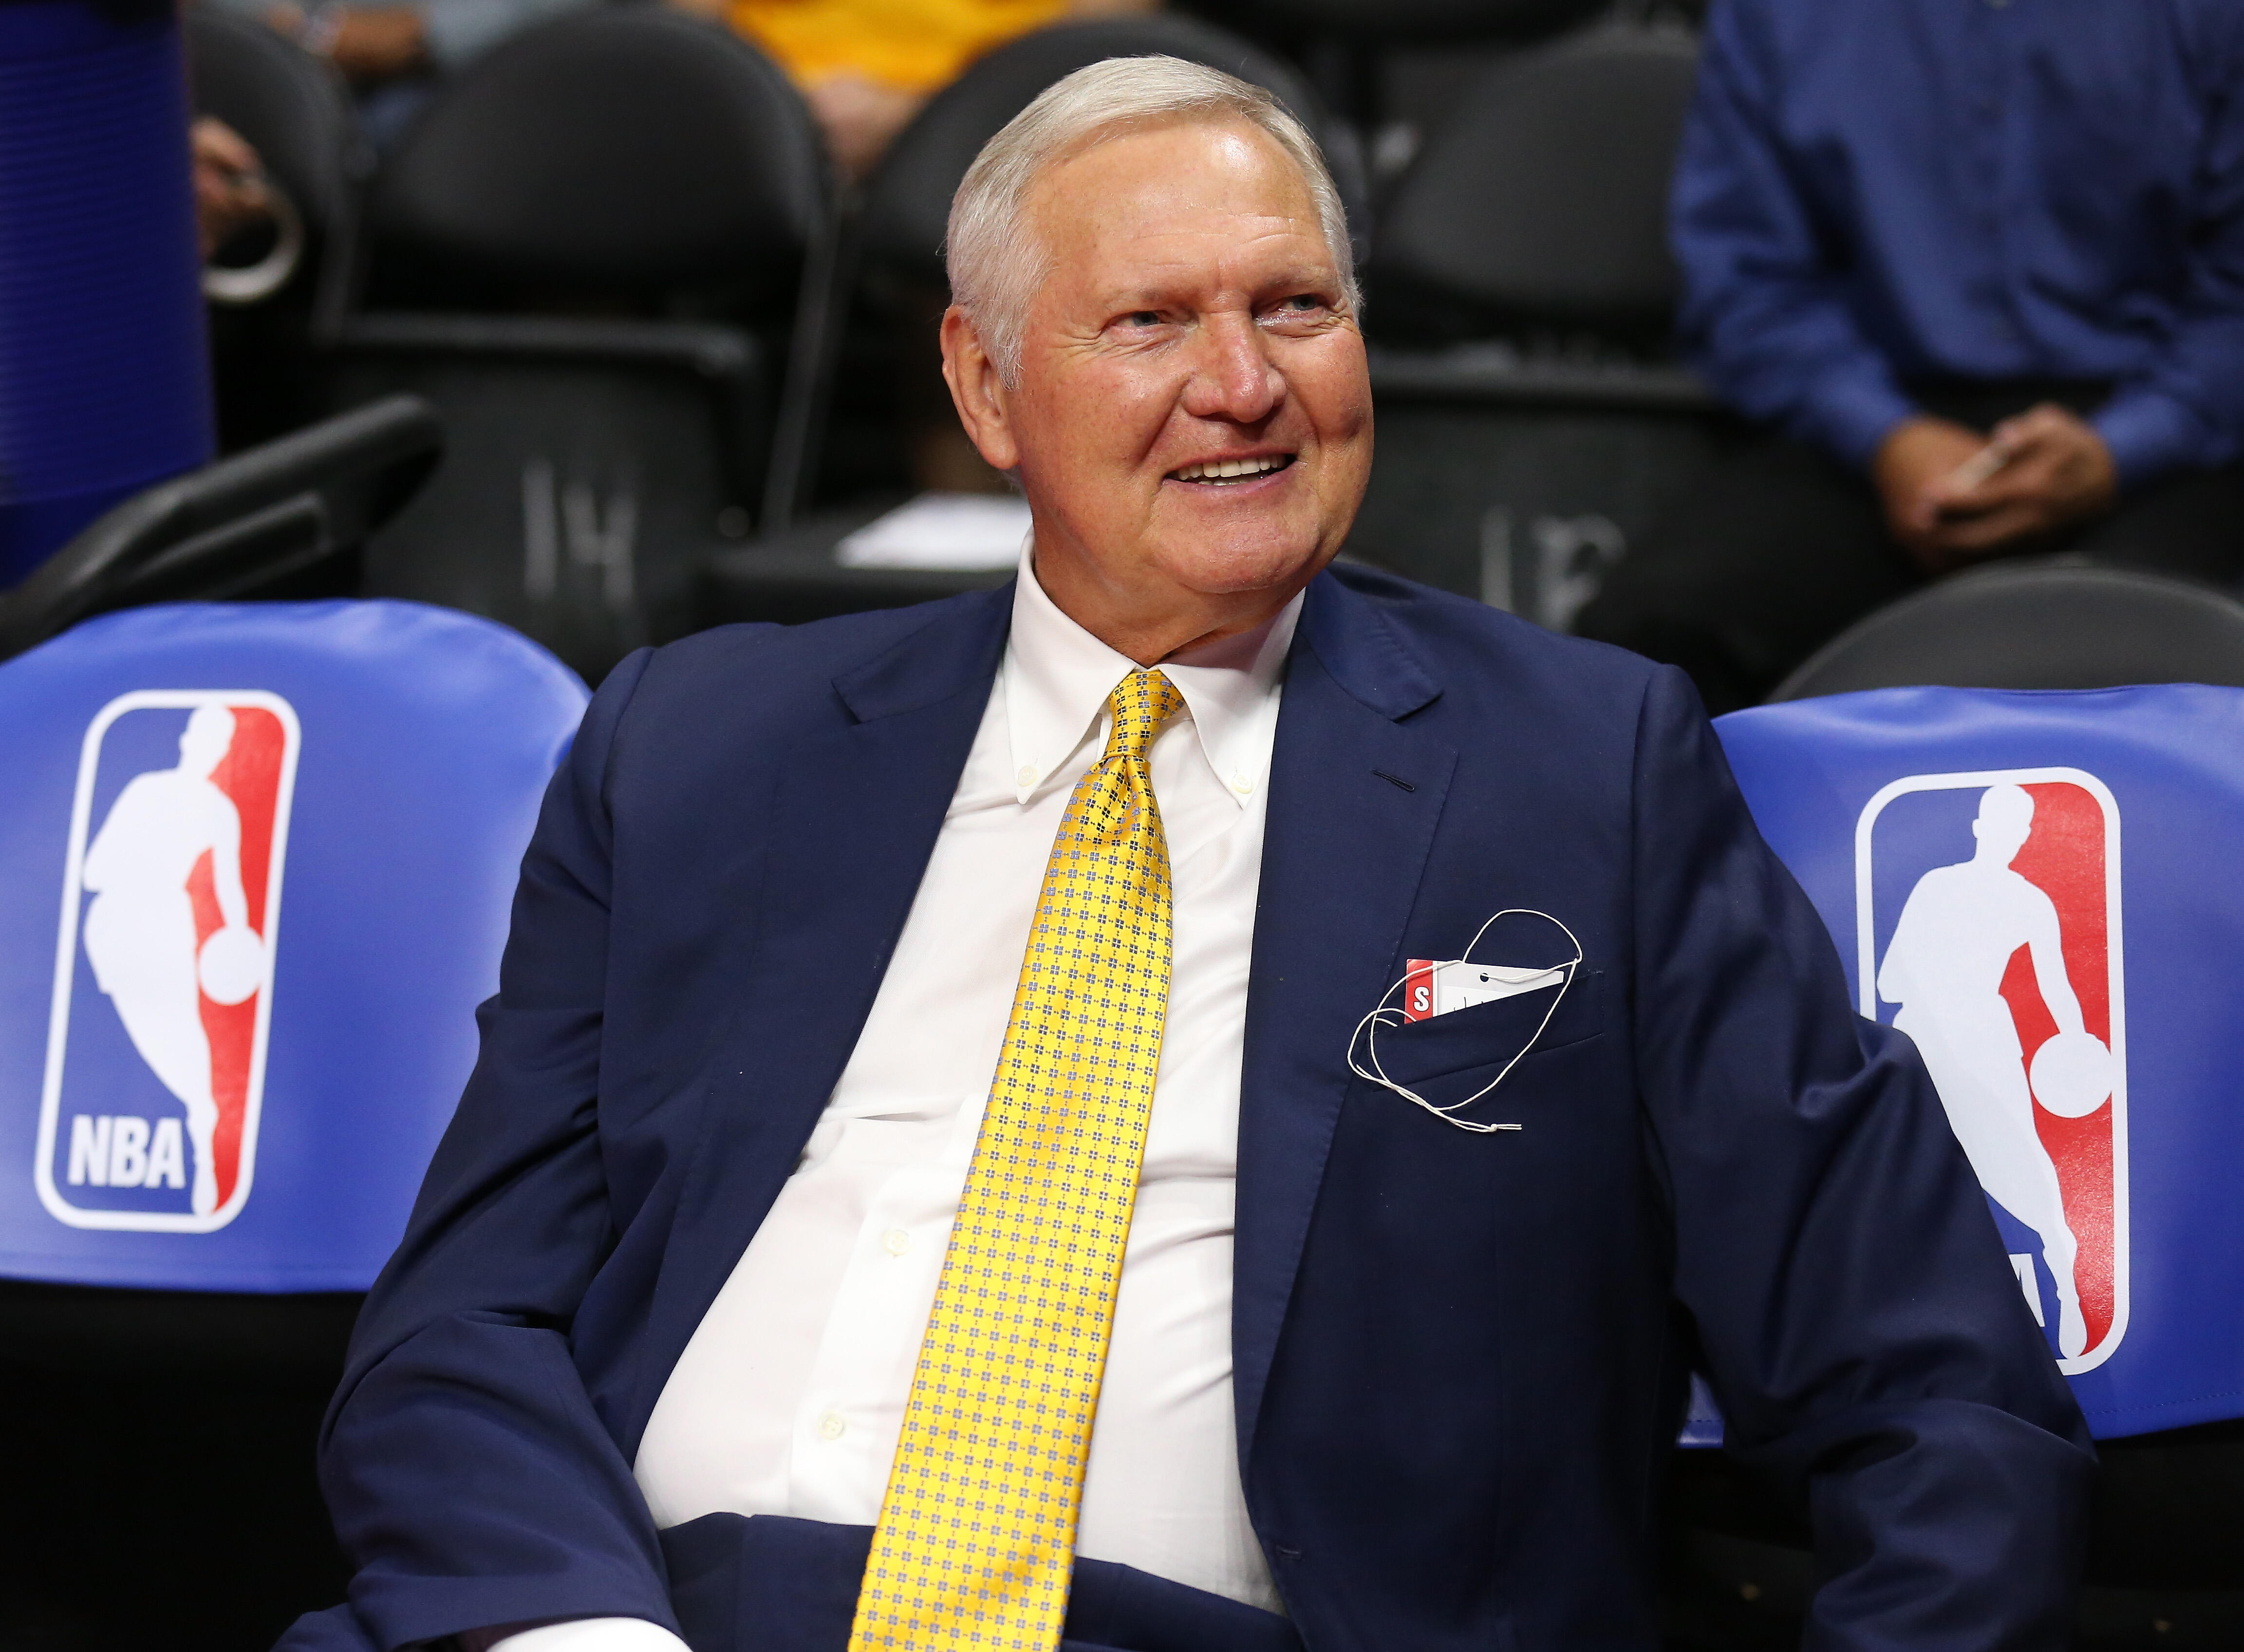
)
(1703, 335)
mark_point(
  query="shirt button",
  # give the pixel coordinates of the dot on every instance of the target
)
(1242, 783)
(1028, 774)
(831, 1426)
(896, 1242)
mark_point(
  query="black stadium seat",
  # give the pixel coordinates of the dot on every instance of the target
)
(908, 198)
(626, 151)
(578, 250)
(2036, 626)
(1531, 423)
(289, 519)
(1357, 50)
(294, 109)
(1542, 204)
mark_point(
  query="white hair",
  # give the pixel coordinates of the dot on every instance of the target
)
(994, 263)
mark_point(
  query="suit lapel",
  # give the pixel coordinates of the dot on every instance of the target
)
(857, 801)
(1355, 795)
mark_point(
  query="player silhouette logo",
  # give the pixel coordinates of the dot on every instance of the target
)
(140, 931)
(2004, 965)
(1944, 966)
(155, 1067)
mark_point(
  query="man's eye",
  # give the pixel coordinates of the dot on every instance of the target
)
(1145, 318)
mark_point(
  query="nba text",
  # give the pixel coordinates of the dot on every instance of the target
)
(123, 1152)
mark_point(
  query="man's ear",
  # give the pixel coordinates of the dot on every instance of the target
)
(976, 391)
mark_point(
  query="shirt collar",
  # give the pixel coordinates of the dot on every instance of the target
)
(1058, 677)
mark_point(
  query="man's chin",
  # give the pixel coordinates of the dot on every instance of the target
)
(1236, 571)
(1250, 552)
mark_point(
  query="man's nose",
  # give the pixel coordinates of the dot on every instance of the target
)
(1233, 379)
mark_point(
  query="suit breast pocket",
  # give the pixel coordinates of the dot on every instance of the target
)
(1473, 1044)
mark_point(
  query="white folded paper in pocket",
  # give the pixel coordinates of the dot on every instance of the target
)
(1435, 987)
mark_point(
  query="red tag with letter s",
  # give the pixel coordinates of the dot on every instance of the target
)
(1418, 990)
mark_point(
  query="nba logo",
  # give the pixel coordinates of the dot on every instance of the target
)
(171, 906)
(1987, 928)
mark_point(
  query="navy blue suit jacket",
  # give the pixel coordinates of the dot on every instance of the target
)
(1459, 1359)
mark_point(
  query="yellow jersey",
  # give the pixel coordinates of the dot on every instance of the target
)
(916, 45)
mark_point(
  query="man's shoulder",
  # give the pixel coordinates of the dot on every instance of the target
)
(783, 670)
(1476, 650)
(698, 718)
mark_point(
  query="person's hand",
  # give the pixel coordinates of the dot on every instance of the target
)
(2047, 470)
(2033, 475)
(859, 116)
(230, 192)
(1915, 459)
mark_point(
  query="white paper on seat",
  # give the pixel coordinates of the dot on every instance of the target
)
(955, 532)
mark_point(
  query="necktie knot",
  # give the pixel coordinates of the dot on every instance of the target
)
(1141, 702)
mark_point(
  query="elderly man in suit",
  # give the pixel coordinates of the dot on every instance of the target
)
(958, 1158)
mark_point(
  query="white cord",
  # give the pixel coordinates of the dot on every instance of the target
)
(1385, 1013)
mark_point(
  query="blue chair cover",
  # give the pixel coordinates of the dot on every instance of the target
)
(256, 865)
(2046, 891)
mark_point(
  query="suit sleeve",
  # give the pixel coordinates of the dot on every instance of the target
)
(1763, 315)
(2185, 410)
(470, 1479)
(1864, 1331)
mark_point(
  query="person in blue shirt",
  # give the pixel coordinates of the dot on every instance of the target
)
(1976, 269)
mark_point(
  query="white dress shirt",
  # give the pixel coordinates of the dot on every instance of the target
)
(791, 1395)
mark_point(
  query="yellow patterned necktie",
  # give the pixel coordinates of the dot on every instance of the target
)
(977, 1536)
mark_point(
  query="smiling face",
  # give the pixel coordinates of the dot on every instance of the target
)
(1192, 417)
